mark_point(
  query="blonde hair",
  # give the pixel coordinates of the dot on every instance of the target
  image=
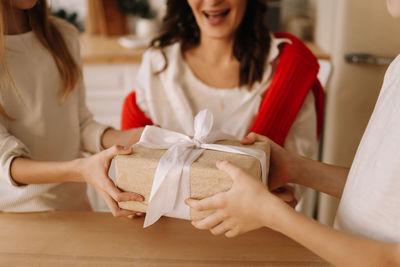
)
(51, 38)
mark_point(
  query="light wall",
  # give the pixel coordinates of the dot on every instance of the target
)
(325, 16)
(290, 7)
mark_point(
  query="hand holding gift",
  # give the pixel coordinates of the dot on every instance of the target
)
(186, 169)
(280, 169)
(94, 171)
(237, 211)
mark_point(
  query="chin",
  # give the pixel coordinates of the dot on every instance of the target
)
(23, 4)
(218, 34)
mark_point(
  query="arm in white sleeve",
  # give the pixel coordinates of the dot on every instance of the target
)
(10, 148)
(90, 130)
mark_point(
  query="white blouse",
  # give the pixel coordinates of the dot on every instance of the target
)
(173, 97)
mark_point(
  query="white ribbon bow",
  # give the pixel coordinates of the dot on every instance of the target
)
(171, 185)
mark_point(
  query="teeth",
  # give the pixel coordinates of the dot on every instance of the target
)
(219, 13)
(215, 13)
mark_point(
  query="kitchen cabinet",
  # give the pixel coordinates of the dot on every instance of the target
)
(106, 88)
(109, 72)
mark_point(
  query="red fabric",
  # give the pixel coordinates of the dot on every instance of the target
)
(295, 75)
(132, 116)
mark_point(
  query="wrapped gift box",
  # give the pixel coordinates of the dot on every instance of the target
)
(135, 173)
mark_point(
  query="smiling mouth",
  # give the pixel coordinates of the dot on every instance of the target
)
(211, 14)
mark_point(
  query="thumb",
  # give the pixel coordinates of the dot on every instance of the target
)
(249, 139)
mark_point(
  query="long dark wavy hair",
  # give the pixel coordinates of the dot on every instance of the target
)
(252, 41)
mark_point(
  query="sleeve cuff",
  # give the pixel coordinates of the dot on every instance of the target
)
(10, 179)
(91, 137)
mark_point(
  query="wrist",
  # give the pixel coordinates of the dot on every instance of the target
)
(296, 166)
(77, 168)
(134, 136)
(124, 138)
(277, 214)
(104, 140)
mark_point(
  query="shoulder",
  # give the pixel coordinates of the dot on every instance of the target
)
(65, 28)
(394, 68)
(68, 31)
(296, 47)
(157, 58)
(392, 74)
(276, 45)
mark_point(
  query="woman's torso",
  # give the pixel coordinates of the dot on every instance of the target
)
(49, 129)
(173, 97)
(41, 121)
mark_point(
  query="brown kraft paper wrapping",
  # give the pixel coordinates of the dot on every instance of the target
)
(135, 173)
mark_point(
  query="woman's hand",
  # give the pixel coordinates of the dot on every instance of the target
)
(248, 205)
(125, 138)
(288, 167)
(286, 194)
(94, 171)
(280, 172)
(282, 162)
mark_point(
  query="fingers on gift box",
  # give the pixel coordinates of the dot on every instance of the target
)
(135, 173)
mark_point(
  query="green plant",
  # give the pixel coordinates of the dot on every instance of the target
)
(139, 8)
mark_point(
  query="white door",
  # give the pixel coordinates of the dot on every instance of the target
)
(354, 27)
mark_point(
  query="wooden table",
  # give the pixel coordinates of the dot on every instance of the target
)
(98, 239)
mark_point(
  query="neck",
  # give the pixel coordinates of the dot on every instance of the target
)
(216, 51)
(15, 20)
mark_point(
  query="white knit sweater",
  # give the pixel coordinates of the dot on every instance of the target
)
(43, 129)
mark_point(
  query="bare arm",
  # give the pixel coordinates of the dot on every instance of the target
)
(339, 248)
(236, 213)
(124, 138)
(288, 167)
(319, 176)
(26, 171)
(92, 170)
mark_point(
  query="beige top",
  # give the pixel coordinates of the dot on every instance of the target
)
(43, 129)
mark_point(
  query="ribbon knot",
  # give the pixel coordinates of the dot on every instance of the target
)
(197, 143)
(171, 184)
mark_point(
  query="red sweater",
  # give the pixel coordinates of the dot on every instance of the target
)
(295, 75)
